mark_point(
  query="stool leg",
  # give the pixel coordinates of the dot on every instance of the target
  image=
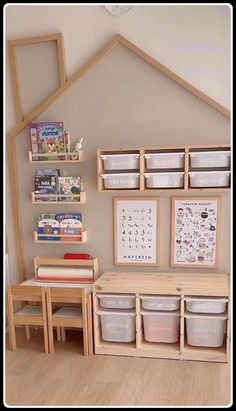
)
(58, 333)
(12, 336)
(27, 332)
(63, 334)
(90, 325)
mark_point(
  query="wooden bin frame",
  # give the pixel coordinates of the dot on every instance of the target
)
(168, 149)
(183, 285)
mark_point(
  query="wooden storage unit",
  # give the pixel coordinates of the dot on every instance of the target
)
(142, 170)
(183, 285)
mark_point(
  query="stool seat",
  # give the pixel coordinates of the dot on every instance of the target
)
(30, 310)
(68, 312)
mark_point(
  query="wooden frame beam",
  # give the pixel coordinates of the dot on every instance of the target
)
(12, 44)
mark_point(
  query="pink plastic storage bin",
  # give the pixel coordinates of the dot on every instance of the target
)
(161, 326)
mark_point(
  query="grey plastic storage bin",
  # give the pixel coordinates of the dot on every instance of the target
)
(206, 305)
(205, 330)
(116, 301)
(120, 161)
(209, 159)
(164, 160)
(161, 326)
(121, 180)
(117, 325)
(209, 178)
(160, 302)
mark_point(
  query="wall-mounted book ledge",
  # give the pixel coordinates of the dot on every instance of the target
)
(59, 198)
(66, 157)
(192, 168)
(61, 238)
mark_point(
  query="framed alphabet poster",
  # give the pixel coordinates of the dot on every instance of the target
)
(136, 230)
(195, 231)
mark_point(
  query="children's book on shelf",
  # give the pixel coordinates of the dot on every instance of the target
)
(48, 224)
(46, 182)
(48, 137)
(70, 185)
(70, 224)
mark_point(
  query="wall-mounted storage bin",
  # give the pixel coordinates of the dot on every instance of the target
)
(116, 301)
(161, 326)
(205, 330)
(117, 325)
(121, 180)
(120, 161)
(209, 179)
(206, 305)
(210, 159)
(160, 302)
(164, 160)
(164, 180)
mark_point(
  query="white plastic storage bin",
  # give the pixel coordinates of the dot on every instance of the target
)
(164, 180)
(161, 326)
(121, 180)
(117, 325)
(160, 302)
(116, 301)
(206, 305)
(120, 161)
(210, 159)
(205, 330)
(209, 179)
(164, 160)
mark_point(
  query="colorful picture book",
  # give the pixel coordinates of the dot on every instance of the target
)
(47, 224)
(60, 223)
(46, 182)
(48, 137)
(70, 185)
(70, 224)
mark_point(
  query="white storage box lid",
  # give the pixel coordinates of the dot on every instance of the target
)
(207, 299)
(118, 174)
(158, 313)
(198, 153)
(207, 316)
(115, 295)
(169, 173)
(160, 297)
(193, 173)
(105, 156)
(163, 154)
(108, 311)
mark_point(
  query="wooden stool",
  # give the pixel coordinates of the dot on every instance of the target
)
(61, 331)
(27, 315)
(75, 317)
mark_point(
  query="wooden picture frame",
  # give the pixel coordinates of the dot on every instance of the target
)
(144, 249)
(195, 227)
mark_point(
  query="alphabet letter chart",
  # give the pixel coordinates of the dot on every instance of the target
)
(195, 226)
(135, 226)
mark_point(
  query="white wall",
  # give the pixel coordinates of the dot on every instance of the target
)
(193, 41)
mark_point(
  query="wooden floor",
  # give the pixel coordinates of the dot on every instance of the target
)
(69, 378)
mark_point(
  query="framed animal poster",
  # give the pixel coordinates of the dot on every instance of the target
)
(136, 230)
(195, 231)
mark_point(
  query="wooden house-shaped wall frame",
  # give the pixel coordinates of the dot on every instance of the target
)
(23, 121)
